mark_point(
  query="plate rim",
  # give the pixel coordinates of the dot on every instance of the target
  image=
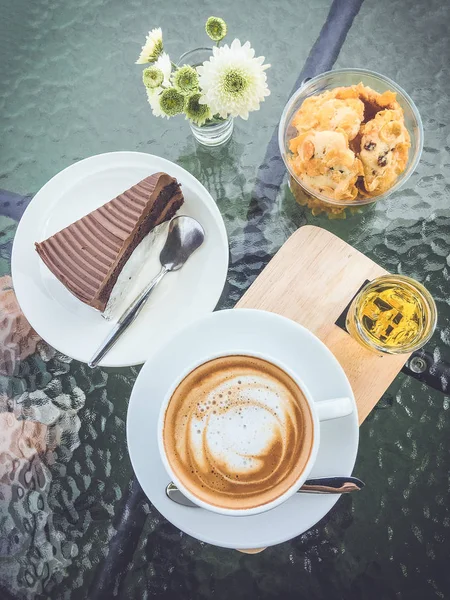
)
(20, 289)
(352, 454)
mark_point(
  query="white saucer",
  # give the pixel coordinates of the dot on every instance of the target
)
(77, 329)
(243, 330)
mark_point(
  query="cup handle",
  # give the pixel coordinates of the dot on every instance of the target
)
(334, 408)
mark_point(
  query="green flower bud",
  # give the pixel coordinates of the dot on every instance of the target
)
(152, 77)
(196, 112)
(185, 79)
(171, 102)
(216, 28)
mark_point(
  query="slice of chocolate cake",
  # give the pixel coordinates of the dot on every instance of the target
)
(88, 255)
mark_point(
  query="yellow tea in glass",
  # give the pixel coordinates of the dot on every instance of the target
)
(393, 314)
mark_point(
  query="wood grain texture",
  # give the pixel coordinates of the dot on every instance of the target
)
(311, 280)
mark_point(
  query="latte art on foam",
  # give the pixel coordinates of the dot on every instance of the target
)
(238, 432)
(239, 427)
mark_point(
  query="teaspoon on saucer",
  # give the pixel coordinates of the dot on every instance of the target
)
(184, 237)
(319, 485)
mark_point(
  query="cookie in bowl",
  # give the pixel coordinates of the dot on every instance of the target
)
(330, 112)
(352, 109)
(326, 163)
(385, 144)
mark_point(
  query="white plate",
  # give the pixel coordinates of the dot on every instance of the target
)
(243, 330)
(77, 329)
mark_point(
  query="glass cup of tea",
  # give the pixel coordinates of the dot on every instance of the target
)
(392, 314)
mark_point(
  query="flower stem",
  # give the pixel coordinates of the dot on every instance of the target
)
(215, 119)
(174, 66)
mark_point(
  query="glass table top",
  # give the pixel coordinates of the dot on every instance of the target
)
(73, 521)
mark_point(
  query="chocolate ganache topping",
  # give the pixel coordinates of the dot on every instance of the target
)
(88, 255)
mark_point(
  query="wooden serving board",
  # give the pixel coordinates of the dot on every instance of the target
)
(311, 280)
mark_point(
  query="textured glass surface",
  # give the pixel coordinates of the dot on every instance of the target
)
(70, 89)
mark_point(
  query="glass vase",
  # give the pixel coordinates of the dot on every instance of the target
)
(216, 131)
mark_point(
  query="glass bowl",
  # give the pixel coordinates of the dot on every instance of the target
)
(347, 77)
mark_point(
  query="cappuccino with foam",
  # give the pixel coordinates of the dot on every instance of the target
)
(238, 432)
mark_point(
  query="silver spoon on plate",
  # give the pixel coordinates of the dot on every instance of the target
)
(184, 237)
(319, 485)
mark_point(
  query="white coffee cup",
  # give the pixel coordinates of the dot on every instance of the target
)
(323, 410)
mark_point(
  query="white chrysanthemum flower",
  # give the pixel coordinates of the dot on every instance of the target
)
(165, 65)
(152, 48)
(153, 98)
(153, 94)
(233, 81)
